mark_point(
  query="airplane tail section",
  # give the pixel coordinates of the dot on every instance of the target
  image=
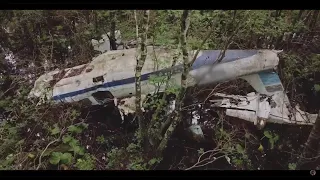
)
(269, 104)
(265, 82)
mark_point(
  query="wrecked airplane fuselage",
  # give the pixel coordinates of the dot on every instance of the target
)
(112, 75)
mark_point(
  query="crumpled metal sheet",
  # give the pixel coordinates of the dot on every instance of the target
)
(128, 105)
(255, 107)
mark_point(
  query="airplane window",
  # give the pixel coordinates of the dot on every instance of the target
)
(103, 97)
(98, 79)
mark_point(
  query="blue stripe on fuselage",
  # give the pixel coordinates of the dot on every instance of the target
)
(207, 57)
(117, 83)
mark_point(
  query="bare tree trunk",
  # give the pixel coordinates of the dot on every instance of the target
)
(311, 150)
(277, 15)
(142, 52)
(307, 19)
(185, 22)
(155, 128)
(95, 16)
(137, 26)
(4, 43)
(289, 17)
(300, 14)
(177, 114)
(299, 17)
(313, 20)
(112, 38)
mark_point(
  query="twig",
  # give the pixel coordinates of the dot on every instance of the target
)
(210, 151)
(45, 151)
(211, 93)
(51, 54)
(56, 140)
(201, 45)
(198, 164)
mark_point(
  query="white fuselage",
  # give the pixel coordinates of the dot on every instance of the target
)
(114, 71)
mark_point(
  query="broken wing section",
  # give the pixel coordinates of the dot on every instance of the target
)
(269, 104)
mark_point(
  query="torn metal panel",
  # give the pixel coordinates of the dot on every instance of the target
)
(254, 109)
(128, 105)
(270, 104)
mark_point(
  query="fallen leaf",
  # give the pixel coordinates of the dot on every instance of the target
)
(260, 148)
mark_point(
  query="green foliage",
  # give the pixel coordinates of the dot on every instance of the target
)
(154, 161)
(115, 157)
(9, 138)
(292, 166)
(317, 87)
(157, 80)
(260, 148)
(130, 158)
(240, 149)
(137, 165)
(75, 147)
(200, 151)
(164, 28)
(77, 129)
(229, 145)
(241, 158)
(55, 130)
(85, 163)
(6, 164)
(133, 148)
(4, 103)
(28, 120)
(298, 67)
(101, 139)
(58, 157)
(67, 139)
(272, 137)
